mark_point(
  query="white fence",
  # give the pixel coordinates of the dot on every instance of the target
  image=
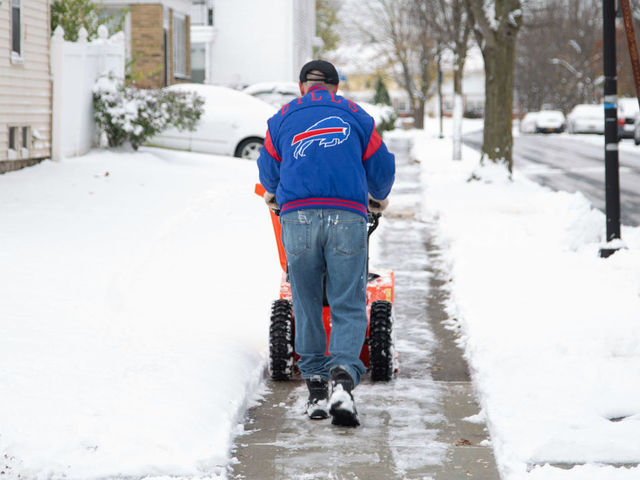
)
(75, 66)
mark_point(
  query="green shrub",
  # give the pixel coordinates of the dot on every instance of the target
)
(128, 114)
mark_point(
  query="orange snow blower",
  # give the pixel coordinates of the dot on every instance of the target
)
(377, 354)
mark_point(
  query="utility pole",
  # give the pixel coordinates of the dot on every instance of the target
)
(611, 159)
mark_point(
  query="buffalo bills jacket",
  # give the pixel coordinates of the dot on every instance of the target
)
(322, 151)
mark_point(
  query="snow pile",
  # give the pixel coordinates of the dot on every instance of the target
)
(551, 331)
(134, 314)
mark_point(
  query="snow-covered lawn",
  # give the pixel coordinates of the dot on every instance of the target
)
(134, 313)
(551, 331)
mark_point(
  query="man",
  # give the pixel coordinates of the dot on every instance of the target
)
(322, 163)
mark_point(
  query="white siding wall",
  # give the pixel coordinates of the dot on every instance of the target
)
(25, 87)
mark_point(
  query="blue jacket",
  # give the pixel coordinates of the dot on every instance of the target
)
(322, 151)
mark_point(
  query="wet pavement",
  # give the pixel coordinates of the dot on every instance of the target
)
(416, 426)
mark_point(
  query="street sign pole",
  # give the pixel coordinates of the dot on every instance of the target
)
(611, 160)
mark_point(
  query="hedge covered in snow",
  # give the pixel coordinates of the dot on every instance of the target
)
(128, 114)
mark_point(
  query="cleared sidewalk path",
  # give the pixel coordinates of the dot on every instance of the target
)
(415, 427)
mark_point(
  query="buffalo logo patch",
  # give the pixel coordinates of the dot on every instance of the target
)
(328, 132)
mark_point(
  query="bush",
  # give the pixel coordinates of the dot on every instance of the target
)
(388, 120)
(128, 114)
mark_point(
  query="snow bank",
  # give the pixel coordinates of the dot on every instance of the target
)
(134, 313)
(551, 331)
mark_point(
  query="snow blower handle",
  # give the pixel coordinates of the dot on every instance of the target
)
(260, 191)
(372, 222)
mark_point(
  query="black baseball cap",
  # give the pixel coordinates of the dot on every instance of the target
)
(328, 71)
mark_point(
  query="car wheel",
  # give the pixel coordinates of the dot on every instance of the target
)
(249, 148)
(636, 140)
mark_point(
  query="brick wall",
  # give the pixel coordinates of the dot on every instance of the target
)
(147, 45)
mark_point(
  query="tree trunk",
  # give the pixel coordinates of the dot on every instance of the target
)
(458, 110)
(418, 114)
(499, 63)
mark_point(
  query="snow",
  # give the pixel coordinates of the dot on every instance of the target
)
(550, 329)
(130, 343)
(136, 288)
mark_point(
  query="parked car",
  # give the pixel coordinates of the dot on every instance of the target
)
(636, 130)
(586, 119)
(627, 110)
(550, 121)
(233, 123)
(528, 122)
(274, 93)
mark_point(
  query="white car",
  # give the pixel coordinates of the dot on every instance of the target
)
(528, 122)
(274, 93)
(550, 121)
(586, 119)
(627, 110)
(233, 123)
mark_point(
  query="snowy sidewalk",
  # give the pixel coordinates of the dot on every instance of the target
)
(551, 331)
(424, 424)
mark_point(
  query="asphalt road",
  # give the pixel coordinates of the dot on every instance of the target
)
(576, 163)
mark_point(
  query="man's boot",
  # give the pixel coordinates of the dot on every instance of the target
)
(318, 395)
(341, 405)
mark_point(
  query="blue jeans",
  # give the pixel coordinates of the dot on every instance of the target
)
(332, 241)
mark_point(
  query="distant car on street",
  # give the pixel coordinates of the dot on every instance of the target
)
(586, 119)
(528, 122)
(636, 129)
(627, 111)
(233, 123)
(550, 121)
(274, 93)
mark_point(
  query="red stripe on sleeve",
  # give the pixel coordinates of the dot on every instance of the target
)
(271, 150)
(374, 143)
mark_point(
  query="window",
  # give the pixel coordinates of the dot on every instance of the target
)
(179, 45)
(12, 154)
(13, 138)
(202, 12)
(16, 28)
(26, 141)
(198, 62)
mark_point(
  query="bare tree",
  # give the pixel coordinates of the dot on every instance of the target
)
(401, 30)
(566, 71)
(453, 26)
(496, 25)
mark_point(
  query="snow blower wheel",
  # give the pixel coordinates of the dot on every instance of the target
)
(381, 342)
(281, 340)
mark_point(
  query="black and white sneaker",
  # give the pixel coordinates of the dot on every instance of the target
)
(341, 405)
(318, 395)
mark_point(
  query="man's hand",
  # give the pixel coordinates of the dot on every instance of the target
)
(377, 206)
(270, 200)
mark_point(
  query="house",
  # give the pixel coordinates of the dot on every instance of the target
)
(240, 42)
(25, 83)
(157, 39)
